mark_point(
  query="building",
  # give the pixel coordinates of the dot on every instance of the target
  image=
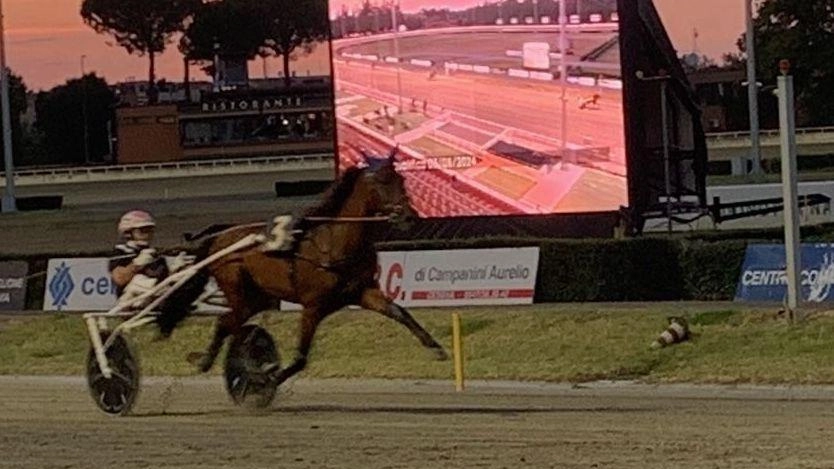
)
(249, 122)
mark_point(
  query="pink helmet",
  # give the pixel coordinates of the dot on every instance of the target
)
(133, 220)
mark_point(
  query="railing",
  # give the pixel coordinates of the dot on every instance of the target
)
(169, 169)
(767, 133)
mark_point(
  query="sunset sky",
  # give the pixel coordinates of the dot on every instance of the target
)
(46, 39)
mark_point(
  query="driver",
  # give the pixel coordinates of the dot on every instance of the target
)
(136, 268)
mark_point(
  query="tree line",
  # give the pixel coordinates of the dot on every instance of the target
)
(228, 28)
(56, 134)
(800, 31)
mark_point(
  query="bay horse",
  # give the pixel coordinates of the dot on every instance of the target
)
(332, 264)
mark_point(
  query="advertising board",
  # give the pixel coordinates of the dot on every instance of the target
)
(466, 277)
(84, 284)
(763, 274)
(13, 285)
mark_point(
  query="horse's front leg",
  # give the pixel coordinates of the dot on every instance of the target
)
(374, 300)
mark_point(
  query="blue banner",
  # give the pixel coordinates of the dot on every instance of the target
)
(763, 274)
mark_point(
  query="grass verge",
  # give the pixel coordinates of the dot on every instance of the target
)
(568, 343)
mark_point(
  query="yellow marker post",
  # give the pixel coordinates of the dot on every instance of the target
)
(457, 348)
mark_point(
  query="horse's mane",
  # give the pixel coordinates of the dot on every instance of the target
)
(334, 199)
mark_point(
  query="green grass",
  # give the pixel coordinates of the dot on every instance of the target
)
(567, 343)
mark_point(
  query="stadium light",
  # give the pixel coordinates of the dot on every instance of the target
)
(9, 204)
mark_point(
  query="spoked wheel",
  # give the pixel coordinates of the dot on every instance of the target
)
(247, 383)
(117, 394)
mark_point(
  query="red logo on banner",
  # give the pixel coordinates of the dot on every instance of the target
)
(393, 281)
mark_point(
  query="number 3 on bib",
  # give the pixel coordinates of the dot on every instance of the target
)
(280, 237)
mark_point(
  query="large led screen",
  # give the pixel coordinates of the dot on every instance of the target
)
(473, 94)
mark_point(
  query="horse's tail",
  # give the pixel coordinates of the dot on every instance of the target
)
(180, 303)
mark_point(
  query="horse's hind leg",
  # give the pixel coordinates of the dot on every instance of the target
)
(310, 319)
(224, 328)
(374, 300)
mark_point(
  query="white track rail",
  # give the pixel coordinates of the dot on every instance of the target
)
(132, 172)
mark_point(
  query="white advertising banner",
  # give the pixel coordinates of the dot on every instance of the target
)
(78, 285)
(470, 277)
(84, 284)
(457, 278)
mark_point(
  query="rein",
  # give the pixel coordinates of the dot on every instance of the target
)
(349, 219)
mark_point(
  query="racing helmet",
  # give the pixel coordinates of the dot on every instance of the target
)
(133, 220)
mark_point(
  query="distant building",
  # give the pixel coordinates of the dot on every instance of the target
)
(264, 119)
(719, 89)
(135, 93)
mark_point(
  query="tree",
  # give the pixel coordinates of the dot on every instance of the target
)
(18, 102)
(236, 26)
(60, 118)
(801, 31)
(144, 27)
(293, 25)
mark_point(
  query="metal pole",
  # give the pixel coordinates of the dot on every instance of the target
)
(9, 204)
(394, 11)
(787, 133)
(563, 72)
(664, 113)
(110, 141)
(752, 91)
(216, 67)
(84, 112)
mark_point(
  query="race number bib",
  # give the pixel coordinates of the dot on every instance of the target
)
(279, 236)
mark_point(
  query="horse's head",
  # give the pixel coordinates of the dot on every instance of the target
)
(385, 191)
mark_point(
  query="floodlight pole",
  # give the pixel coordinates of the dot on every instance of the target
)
(9, 203)
(787, 134)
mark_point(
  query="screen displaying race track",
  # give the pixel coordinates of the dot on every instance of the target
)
(473, 94)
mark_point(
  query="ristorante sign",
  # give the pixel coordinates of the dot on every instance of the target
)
(253, 104)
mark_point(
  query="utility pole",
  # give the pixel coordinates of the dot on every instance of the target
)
(216, 66)
(752, 90)
(84, 112)
(9, 203)
(787, 133)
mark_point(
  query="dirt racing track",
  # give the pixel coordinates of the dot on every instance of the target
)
(50, 422)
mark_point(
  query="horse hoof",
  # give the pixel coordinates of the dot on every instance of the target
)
(440, 355)
(201, 360)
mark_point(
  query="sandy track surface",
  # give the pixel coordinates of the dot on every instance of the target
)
(50, 422)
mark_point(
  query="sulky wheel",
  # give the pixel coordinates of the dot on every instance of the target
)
(250, 352)
(117, 394)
